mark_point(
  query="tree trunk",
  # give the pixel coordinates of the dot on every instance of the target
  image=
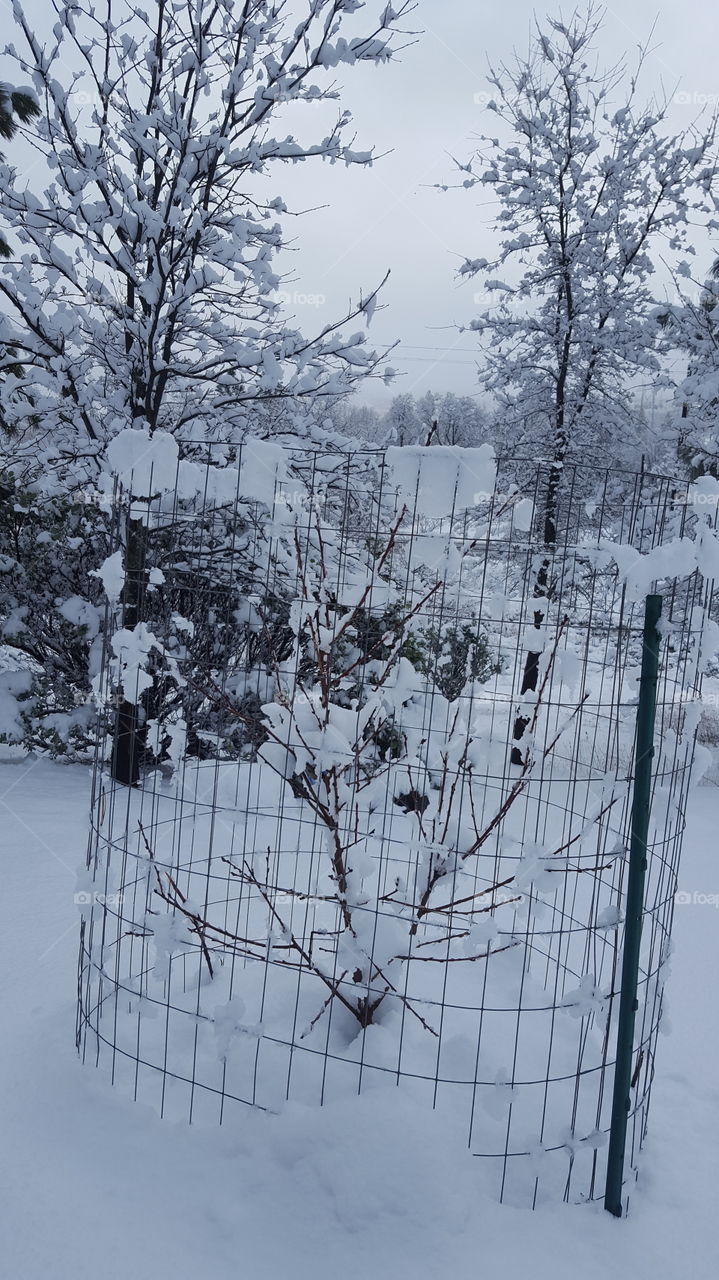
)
(530, 675)
(128, 739)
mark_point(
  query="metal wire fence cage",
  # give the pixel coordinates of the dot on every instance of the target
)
(378, 711)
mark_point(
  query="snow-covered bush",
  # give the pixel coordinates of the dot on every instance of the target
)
(51, 612)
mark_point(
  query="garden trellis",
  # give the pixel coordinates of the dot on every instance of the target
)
(330, 877)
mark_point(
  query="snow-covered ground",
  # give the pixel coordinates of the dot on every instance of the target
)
(91, 1185)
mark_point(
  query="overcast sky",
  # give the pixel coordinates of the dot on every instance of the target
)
(424, 109)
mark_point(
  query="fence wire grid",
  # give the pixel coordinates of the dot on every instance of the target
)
(378, 711)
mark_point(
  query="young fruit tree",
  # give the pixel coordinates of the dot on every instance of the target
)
(142, 288)
(377, 730)
(588, 182)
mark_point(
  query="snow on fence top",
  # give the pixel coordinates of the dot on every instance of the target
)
(442, 480)
(149, 465)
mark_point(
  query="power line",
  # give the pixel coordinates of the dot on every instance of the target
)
(435, 350)
(423, 360)
(416, 346)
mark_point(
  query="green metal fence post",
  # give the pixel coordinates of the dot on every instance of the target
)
(641, 800)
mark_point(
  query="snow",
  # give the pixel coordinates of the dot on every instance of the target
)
(112, 576)
(523, 515)
(262, 470)
(132, 650)
(83, 614)
(368, 1186)
(442, 479)
(148, 465)
(144, 464)
(676, 558)
(12, 684)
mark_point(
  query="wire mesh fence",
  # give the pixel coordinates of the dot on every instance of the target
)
(379, 712)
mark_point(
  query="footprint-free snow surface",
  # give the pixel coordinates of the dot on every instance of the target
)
(95, 1186)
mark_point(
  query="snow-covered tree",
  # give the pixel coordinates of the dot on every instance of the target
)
(436, 417)
(459, 420)
(402, 421)
(588, 183)
(361, 422)
(376, 727)
(694, 326)
(142, 288)
(17, 107)
(427, 412)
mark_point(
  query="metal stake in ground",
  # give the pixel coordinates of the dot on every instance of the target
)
(641, 800)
